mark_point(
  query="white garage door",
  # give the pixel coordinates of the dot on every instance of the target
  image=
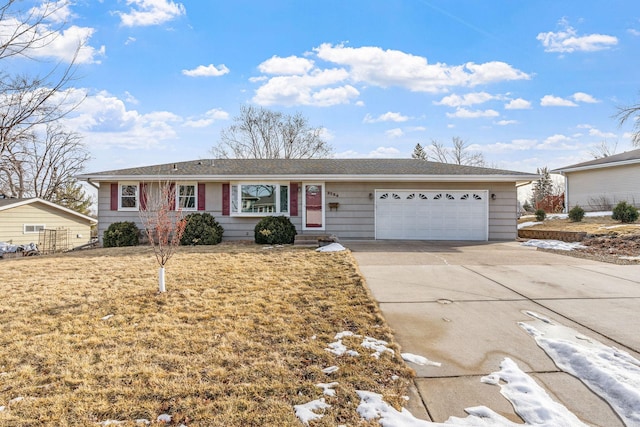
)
(432, 215)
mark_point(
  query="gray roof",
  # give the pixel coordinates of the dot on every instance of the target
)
(626, 157)
(266, 168)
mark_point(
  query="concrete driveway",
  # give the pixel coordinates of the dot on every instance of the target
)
(459, 304)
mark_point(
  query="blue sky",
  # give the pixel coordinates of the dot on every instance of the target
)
(528, 83)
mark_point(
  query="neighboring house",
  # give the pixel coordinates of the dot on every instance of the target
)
(600, 184)
(351, 198)
(24, 221)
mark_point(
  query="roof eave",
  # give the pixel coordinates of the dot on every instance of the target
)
(598, 166)
(313, 177)
(23, 202)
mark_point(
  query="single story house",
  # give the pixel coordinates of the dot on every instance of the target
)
(600, 184)
(350, 198)
(24, 221)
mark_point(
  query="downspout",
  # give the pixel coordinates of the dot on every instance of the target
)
(97, 187)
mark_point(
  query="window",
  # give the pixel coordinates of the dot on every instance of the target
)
(187, 198)
(259, 199)
(33, 228)
(128, 196)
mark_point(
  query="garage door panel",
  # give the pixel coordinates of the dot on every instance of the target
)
(431, 215)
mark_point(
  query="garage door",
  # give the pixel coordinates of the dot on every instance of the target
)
(432, 215)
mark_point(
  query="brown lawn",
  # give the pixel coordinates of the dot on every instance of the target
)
(591, 225)
(238, 339)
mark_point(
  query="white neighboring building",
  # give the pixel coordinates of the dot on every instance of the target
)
(599, 184)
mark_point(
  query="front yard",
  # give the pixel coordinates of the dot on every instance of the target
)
(239, 338)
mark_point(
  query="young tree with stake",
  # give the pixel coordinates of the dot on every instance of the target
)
(163, 222)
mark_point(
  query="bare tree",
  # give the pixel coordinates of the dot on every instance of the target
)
(631, 112)
(604, 150)
(459, 153)
(37, 156)
(163, 223)
(42, 165)
(258, 133)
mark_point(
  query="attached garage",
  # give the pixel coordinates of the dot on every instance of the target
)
(432, 214)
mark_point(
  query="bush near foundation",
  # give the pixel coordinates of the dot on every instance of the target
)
(625, 212)
(275, 230)
(576, 214)
(201, 229)
(120, 234)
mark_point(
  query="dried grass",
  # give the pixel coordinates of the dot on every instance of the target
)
(591, 225)
(237, 339)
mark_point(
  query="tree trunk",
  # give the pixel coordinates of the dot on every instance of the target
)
(161, 287)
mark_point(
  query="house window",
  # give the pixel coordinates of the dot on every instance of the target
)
(128, 196)
(33, 228)
(187, 196)
(259, 199)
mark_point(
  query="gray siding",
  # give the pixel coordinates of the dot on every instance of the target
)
(355, 216)
(601, 189)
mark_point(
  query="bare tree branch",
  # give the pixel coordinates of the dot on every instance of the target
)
(631, 112)
(259, 133)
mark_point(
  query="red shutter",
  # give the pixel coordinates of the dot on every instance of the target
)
(226, 199)
(201, 199)
(143, 196)
(172, 196)
(114, 196)
(293, 199)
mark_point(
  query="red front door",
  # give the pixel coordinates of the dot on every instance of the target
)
(313, 206)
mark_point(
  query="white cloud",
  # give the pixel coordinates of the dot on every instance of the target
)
(599, 134)
(463, 113)
(558, 142)
(130, 98)
(292, 65)
(309, 89)
(387, 68)
(394, 133)
(56, 12)
(207, 71)
(506, 122)
(501, 147)
(105, 122)
(518, 104)
(584, 97)
(556, 101)
(466, 100)
(384, 153)
(633, 32)
(301, 81)
(567, 40)
(208, 118)
(386, 117)
(151, 12)
(50, 43)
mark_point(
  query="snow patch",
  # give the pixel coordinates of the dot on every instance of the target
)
(164, 418)
(305, 412)
(528, 224)
(332, 247)
(611, 373)
(328, 388)
(330, 369)
(418, 360)
(553, 244)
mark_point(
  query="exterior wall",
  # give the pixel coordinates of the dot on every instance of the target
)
(353, 219)
(12, 223)
(602, 189)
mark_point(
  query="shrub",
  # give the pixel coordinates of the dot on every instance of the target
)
(576, 213)
(624, 212)
(541, 215)
(201, 229)
(275, 230)
(120, 234)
